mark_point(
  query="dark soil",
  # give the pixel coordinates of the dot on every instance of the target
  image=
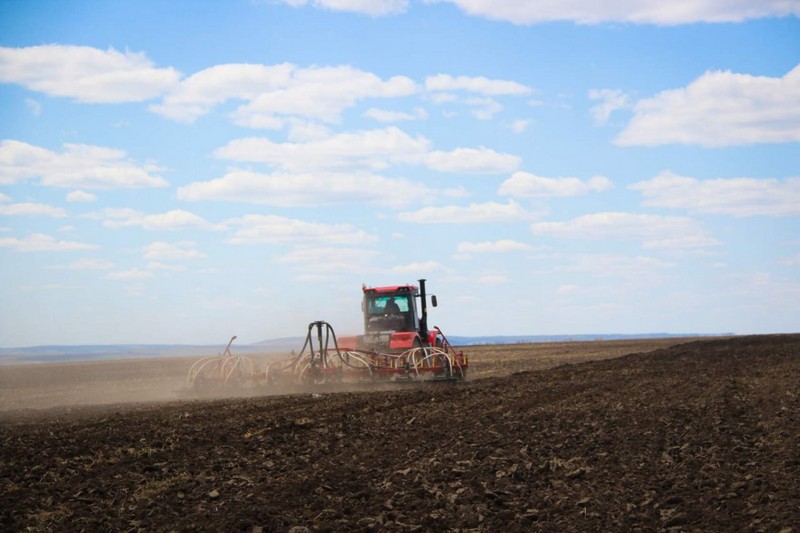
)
(703, 436)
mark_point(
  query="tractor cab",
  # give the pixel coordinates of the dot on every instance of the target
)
(395, 318)
(390, 309)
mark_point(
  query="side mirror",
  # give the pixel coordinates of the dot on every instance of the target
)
(433, 300)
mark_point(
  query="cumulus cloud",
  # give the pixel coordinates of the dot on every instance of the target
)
(610, 100)
(197, 94)
(176, 219)
(156, 266)
(34, 107)
(326, 258)
(366, 7)
(493, 279)
(616, 265)
(632, 11)
(367, 150)
(520, 125)
(81, 196)
(504, 245)
(792, 260)
(305, 189)
(740, 197)
(339, 169)
(416, 268)
(475, 84)
(39, 242)
(567, 289)
(77, 166)
(274, 229)
(172, 251)
(87, 264)
(472, 161)
(488, 212)
(129, 275)
(273, 94)
(655, 231)
(719, 109)
(31, 209)
(384, 115)
(527, 185)
(478, 93)
(86, 74)
(370, 150)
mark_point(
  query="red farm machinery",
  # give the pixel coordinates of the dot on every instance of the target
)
(397, 346)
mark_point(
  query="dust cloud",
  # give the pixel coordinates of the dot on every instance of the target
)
(42, 390)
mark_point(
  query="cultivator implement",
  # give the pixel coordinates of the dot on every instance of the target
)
(223, 369)
(322, 360)
(396, 346)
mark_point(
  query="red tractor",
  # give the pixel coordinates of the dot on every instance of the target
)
(396, 345)
(392, 322)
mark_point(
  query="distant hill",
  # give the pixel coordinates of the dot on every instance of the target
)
(521, 339)
(65, 353)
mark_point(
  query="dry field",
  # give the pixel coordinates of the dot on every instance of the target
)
(623, 435)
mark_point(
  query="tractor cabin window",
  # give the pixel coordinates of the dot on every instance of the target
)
(382, 305)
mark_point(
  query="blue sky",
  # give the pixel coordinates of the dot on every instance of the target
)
(180, 172)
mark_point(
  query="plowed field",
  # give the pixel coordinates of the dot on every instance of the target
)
(698, 436)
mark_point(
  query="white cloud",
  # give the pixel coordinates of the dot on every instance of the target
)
(472, 214)
(327, 259)
(366, 7)
(128, 275)
(31, 209)
(85, 74)
(39, 242)
(158, 266)
(493, 279)
(370, 150)
(567, 289)
(87, 264)
(792, 260)
(491, 247)
(719, 109)
(527, 185)
(275, 229)
(615, 265)
(34, 107)
(200, 92)
(176, 219)
(483, 108)
(81, 196)
(384, 115)
(738, 197)
(655, 231)
(472, 161)
(306, 189)
(274, 94)
(172, 251)
(416, 268)
(78, 166)
(480, 92)
(610, 100)
(4, 198)
(632, 11)
(478, 84)
(520, 125)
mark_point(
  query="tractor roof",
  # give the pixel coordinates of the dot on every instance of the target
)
(390, 289)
